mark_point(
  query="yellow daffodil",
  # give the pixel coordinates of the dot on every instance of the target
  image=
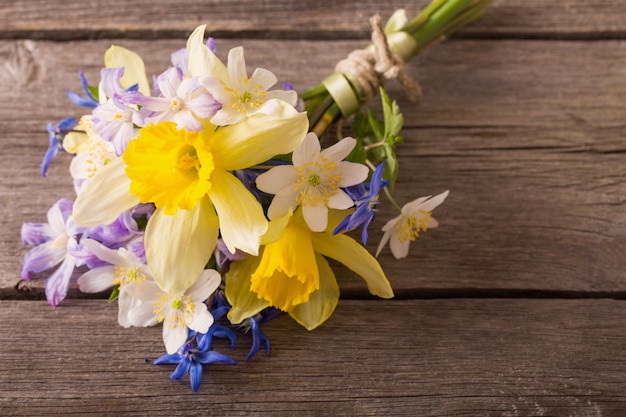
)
(293, 275)
(186, 175)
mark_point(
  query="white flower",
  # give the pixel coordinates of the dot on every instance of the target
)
(125, 268)
(415, 218)
(92, 152)
(314, 181)
(239, 95)
(177, 311)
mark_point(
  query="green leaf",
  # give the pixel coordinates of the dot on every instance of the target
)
(393, 119)
(358, 154)
(93, 90)
(391, 166)
(115, 293)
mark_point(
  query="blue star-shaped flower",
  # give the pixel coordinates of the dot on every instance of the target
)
(192, 358)
(365, 198)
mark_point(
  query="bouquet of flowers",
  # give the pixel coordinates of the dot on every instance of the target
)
(207, 202)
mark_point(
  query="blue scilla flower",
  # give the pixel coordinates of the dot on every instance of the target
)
(56, 133)
(192, 357)
(258, 336)
(365, 199)
(89, 100)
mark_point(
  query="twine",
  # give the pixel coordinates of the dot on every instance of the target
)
(368, 69)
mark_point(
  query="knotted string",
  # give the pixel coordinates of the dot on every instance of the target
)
(368, 69)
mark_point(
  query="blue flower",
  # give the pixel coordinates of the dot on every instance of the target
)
(56, 133)
(192, 358)
(258, 336)
(88, 101)
(365, 198)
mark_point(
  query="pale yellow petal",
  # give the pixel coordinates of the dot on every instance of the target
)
(322, 302)
(350, 253)
(134, 69)
(275, 229)
(259, 137)
(105, 197)
(179, 246)
(201, 60)
(241, 218)
(244, 302)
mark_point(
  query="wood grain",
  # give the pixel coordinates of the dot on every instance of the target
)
(309, 19)
(402, 358)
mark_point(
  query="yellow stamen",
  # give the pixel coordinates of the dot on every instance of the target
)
(246, 97)
(410, 227)
(317, 182)
(180, 312)
(124, 275)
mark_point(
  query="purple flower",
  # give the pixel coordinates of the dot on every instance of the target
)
(182, 100)
(365, 198)
(114, 119)
(55, 243)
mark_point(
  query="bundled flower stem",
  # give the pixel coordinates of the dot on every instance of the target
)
(341, 94)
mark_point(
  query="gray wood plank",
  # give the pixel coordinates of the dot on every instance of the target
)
(64, 20)
(459, 357)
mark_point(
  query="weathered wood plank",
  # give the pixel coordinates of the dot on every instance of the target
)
(63, 20)
(458, 357)
(534, 165)
(466, 83)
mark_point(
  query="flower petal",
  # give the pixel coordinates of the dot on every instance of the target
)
(399, 249)
(340, 150)
(316, 216)
(244, 302)
(350, 253)
(307, 151)
(241, 218)
(277, 178)
(134, 69)
(264, 78)
(282, 202)
(201, 60)
(96, 280)
(352, 173)
(201, 319)
(431, 204)
(206, 285)
(259, 137)
(174, 337)
(322, 302)
(105, 197)
(340, 201)
(179, 246)
(58, 283)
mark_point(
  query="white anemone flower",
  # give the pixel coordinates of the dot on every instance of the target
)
(177, 311)
(414, 218)
(125, 268)
(314, 181)
(239, 95)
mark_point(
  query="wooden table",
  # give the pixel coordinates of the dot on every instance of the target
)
(514, 306)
